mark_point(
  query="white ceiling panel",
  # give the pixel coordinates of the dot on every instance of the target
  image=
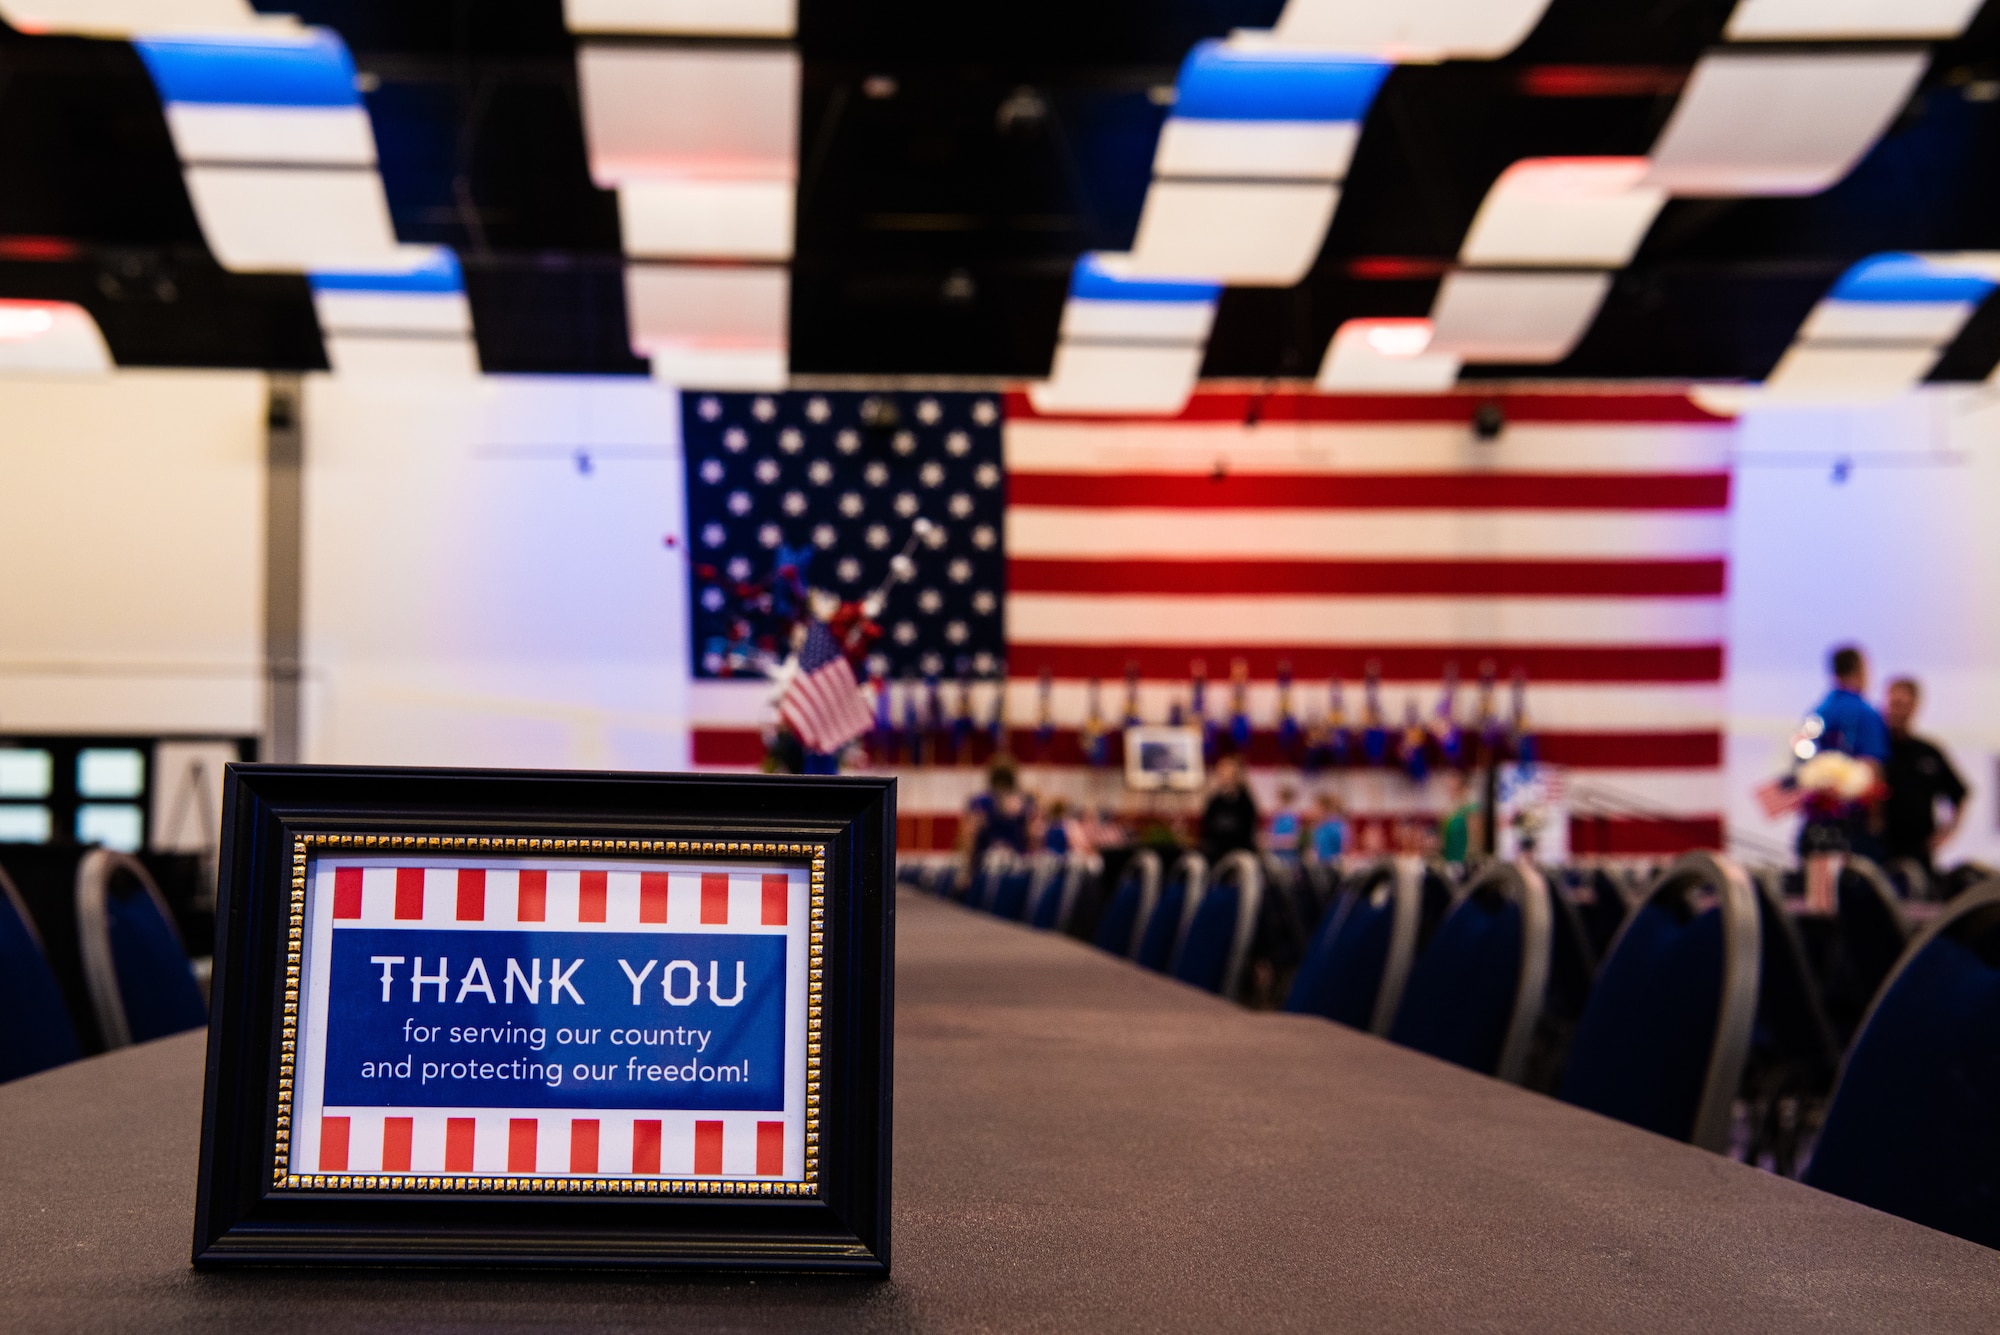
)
(123, 18)
(722, 368)
(1780, 123)
(378, 357)
(1252, 234)
(661, 112)
(323, 136)
(1848, 20)
(1285, 150)
(1410, 29)
(1108, 379)
(42, 337)
(746, 307)
(1565, 211)
(1386, 357)
(1927, 323)
(1818, 373)
(1147, 321)
(399, 312)
(293, 219)
(1530, 318)
(706, 219)
(692, 18)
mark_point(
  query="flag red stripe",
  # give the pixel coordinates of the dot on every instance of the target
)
(409, 892)
(1544, 664)
(1294, 405)
(521, 1136)
(708, 1147)
(397, 1133)
(1638, 835)
(1371, 491)
(1608, 579)
(471, 894)
(347, 892)
(590, 893)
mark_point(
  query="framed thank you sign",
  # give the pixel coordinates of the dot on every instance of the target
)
(552, 1019)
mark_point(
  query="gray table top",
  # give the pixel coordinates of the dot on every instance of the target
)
(1079, 1145)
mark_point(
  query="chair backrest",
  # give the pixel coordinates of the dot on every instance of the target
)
(1131, 904)
(134, 966)
(1475, 992)
(986, 877)
(1913, 877)
(1359, 959)
(1790, 1015)
(1055, 904)
(1216, 944)
(1180, 896)
(1012, 890)
(1572, 959)
(1910, 1129)
(1873, 931)
(1663, 1041)
(35, 1029)
(1610, 906)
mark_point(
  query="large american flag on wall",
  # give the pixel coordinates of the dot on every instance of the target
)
(1586, 546)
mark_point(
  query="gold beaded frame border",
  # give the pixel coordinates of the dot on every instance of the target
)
(528, 1184)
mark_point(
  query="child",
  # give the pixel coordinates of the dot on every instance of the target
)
(1283, 838)
(1329, 833)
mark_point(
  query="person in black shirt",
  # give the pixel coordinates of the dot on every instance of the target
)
(1918, 775)
(1230, 820)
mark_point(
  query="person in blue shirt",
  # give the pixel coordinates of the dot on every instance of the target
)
(1850, 725)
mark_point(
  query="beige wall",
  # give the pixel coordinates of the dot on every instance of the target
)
(131, 552)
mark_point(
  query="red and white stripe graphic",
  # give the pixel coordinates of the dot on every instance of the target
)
(500, 1141)
(563, 899)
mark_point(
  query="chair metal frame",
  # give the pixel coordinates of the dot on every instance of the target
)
(1736, 1014)
(1195, 867)
(93, 931)
(1043, 868)
(998, 862)
(1249, 904)
(12, 894)
(1527, 887)
(1078, 871)
(1979, 898)
(1406, 884)
(1148, 863)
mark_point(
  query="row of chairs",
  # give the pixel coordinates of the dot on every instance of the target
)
(1704, 992)
(138, 981)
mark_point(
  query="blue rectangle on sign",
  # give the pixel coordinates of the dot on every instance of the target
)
(526, 1019)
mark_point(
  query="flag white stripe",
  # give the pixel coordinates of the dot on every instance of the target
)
(1170, 534)
(1237, 621)
(1284, 448)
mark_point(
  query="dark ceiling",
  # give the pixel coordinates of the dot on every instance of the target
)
(954, 161)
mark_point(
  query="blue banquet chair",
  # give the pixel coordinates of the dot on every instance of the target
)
(1180, 895)
(1475, 992)
(35, 1030)
(1055, 905)
(1131, 904)
(1010, 891)
(1663, 1041)
(135, 969)
(1910, 1130)
(1873, 930)
(1359, 958)
(1215, 946)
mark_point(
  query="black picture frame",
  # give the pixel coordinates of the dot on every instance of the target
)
(247, 1215)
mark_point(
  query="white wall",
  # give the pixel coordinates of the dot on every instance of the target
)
(1902, 557)
(476, 597)
(131, 552)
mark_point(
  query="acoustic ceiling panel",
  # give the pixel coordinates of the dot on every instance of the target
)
(1848, 20)
(1112, 379)
(1565, 211)
(1285, 150)
(1107, 302)
(693, 219)
(122, 18)
(1386, 357)
(294, 219)
(661, 112)
(1252, 234)
(1933, 323)
(1780, 123)
(328, 136)
(684, 18)
(1836, 374)
(43, 337)
(1514, 317)
(710, 320)
(378, 357)
(1411, 30)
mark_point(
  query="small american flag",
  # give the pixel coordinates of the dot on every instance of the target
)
(822, 702)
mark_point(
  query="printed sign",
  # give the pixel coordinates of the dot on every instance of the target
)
(549, 1018)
